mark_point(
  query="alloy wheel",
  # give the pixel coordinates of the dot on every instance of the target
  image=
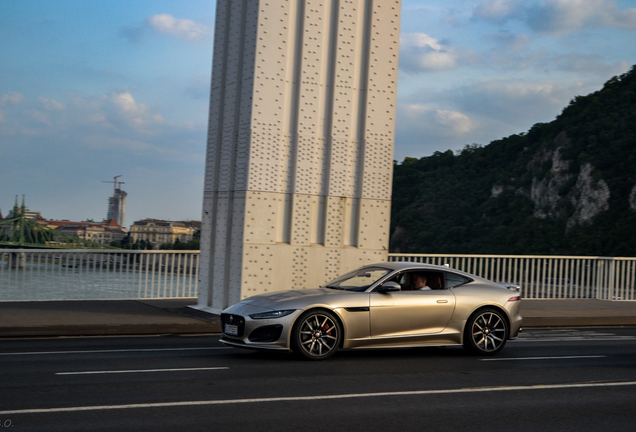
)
(488, 332)
(318, 335)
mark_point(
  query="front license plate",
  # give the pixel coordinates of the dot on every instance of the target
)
(231, 330)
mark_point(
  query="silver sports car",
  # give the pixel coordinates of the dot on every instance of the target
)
(396, 304)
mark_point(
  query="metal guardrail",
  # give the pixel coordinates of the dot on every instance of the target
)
(45, 274)
(553, 277)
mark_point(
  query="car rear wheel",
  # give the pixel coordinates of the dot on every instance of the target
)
(486, 332)
(316, 335)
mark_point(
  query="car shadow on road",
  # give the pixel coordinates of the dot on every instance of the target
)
(353, 354)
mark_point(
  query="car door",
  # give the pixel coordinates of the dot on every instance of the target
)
(405, 313)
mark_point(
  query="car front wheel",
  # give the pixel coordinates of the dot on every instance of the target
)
(486, 332)
(316, 335)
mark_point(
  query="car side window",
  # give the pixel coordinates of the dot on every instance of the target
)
(453, 280)
(434, 280)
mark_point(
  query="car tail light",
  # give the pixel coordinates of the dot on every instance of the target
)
(517, 298)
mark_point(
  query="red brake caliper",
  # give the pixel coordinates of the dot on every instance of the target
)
(325, 327)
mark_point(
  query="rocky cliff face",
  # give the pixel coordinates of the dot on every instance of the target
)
(588, 197)
(545, 191)
(551, 192)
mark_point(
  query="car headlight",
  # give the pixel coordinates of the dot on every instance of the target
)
(272, 314)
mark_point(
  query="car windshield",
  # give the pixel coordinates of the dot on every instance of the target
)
(358, 280)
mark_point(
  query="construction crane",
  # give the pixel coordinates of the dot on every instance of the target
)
(116, 184)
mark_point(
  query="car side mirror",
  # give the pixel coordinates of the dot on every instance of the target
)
(390, 287)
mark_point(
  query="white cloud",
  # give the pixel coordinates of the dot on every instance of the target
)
(510, 41)
(184, 29)
(422, 129)
(420, 52)
(106, 122)
(558, 16)
(51, 104)
(440, 122)
(515, 102)
(496, 10)
(11, 97)
(480, 112)
(125, 108)
(586, 64)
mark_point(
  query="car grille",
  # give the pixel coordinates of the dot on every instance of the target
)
(236, 320)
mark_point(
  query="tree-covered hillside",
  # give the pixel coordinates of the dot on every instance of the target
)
(565, 187)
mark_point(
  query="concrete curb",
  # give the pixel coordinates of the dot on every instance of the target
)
(110, 330)
(546, 322)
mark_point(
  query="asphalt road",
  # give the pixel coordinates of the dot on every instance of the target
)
(548, 380)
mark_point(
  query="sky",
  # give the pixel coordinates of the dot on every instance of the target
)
(90, 90)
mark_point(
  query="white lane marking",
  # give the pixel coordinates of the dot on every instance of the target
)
(111, 351)
(315, 398)
(573, 339)
(542, 358)
(138, 371)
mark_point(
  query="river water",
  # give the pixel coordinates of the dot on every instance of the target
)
(56, 282)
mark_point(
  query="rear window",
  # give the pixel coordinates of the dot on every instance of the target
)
(453, 280)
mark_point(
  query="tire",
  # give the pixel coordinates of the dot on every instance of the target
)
(316, 335)
(486, 332)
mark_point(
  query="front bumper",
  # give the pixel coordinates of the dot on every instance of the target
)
(256, 333)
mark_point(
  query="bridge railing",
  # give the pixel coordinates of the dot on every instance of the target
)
(46, 274)
(553, 277)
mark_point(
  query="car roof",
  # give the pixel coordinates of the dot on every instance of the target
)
(399, 265)
(405, 265)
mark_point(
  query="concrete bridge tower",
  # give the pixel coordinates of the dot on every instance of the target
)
(300, 144)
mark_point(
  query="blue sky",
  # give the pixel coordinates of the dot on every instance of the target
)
(94, 89)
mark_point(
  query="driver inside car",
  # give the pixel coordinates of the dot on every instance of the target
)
(419, 282)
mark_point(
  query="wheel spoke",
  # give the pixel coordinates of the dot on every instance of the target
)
(490, 319)
(478, 342)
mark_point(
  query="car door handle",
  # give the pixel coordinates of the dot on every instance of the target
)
(442, 301)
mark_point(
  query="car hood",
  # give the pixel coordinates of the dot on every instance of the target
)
(292, 298)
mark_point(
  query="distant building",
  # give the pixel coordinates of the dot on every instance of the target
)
(102, 232)
(30, 215)
(196, 225)
(117, 207)
(159, 232)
